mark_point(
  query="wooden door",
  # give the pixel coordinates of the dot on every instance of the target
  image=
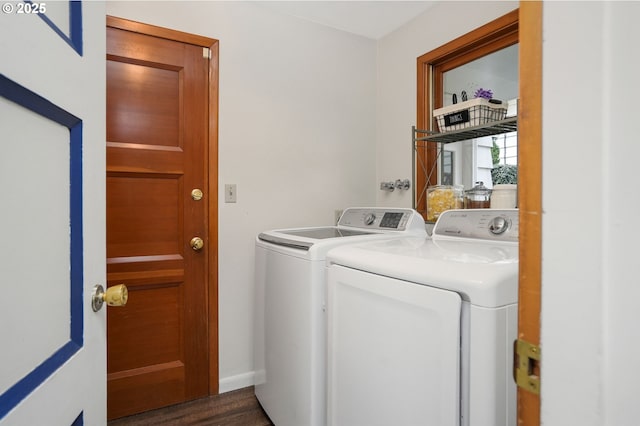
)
(52, 344)
(157, 147)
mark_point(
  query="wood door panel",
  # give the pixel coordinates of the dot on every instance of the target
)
(135, 47)
(141, 158)
(154, 387)
(153, 327)
(144, 215)
(157, 127)
(141, 104)
(163, 276)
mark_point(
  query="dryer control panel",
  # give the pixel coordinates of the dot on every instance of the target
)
(478, 224)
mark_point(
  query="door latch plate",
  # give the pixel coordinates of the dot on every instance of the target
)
(526, 368)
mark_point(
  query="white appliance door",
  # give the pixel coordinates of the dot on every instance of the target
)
(394, 352)
(52, 220)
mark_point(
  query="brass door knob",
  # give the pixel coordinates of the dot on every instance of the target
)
(114, 296)
(197, 243)
(197, 194)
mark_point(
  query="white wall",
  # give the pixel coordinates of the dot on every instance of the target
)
(297, 135)
(589, 279)
(396, 63)
(621, 152)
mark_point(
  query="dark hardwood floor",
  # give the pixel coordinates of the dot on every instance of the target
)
(236, 408)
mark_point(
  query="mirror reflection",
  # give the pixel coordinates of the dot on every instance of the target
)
(489, 159)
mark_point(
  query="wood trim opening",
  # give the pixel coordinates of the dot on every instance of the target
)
(489, 38)
(530, 192)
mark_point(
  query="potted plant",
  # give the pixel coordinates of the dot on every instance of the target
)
(502, 173)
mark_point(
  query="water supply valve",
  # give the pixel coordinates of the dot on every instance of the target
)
(387, 186)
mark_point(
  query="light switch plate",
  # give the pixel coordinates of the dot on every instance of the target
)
(230, 193)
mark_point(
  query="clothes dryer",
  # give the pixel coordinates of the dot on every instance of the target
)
(421, 331)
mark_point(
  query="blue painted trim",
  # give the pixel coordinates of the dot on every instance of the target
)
(77, 244)
(24, 97)
(41, 106)
(21, 389)
(79, 421)
(74, 38)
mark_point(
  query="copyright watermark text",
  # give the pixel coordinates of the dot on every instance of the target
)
(24, 8)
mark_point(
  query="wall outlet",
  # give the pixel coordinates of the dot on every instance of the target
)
(230, 193)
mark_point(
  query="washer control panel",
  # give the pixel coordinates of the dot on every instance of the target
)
(382, 219)
(478, 224)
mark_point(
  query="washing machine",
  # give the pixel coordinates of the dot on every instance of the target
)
(290, 328)
(421, 330)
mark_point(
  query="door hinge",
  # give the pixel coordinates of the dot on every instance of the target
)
(526, 365)
(206, 53)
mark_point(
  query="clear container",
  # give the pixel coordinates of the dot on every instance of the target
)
(441, 198)
(478, 197)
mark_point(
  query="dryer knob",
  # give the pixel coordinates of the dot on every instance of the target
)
(498, 225)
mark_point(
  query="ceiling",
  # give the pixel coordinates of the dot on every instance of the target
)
(371, 19)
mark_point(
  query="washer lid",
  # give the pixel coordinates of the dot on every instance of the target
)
(323, 233)
(291, 237)
(355, 225)
(483, 273)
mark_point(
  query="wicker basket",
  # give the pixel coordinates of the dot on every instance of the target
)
(471, 113)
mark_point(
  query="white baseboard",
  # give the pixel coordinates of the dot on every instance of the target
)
(239, 381)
